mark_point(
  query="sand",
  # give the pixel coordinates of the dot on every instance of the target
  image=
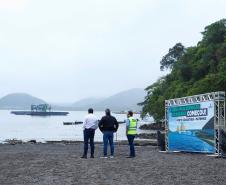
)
(59, 164)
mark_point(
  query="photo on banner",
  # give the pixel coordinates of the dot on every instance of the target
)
(191, 127)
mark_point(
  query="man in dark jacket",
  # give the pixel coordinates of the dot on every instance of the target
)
(108, 125)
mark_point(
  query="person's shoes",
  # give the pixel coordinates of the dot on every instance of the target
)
(92, 156)
(111, 157)
(130, 156)
(104, 157)
(84, 157)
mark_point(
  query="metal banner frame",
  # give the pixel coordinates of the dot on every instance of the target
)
(219, 113)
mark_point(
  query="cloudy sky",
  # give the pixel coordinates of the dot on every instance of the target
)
(65, 50)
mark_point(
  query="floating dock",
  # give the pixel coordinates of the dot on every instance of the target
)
(37, 113)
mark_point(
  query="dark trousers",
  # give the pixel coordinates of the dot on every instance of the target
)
(108, 137)
(131, 144)
(88, 135)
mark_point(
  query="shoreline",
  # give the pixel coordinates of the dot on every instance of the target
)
(137, 142)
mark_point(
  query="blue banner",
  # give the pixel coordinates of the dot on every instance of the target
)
(191, 127)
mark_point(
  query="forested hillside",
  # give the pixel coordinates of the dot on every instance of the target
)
(193, 70)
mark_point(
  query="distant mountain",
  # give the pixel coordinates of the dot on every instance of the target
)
(19, 101)
(87, 102)
(126, 100)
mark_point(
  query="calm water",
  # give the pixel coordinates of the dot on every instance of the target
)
(50, 128)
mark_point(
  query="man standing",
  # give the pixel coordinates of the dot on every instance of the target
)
(108, 125)
(90, 124)
(131, 131)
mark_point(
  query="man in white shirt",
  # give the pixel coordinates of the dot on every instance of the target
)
(90, 124)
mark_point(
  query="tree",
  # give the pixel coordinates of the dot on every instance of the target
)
(215, 33)
(172, 56)
(194, 70)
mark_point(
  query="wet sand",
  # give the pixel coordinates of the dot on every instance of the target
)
(59, 164)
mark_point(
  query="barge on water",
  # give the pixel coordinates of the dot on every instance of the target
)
(40, 110)
(31, 113)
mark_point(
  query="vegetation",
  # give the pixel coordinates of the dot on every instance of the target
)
(193, 70)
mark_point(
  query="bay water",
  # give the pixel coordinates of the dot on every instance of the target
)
(51, 128)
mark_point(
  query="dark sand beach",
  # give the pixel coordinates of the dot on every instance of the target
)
(59, 164)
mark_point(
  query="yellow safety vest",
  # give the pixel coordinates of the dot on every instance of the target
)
(132, 130)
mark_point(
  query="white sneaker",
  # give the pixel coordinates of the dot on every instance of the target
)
(111, 157)
(104, 157)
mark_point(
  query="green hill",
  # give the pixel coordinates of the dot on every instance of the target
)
(193, 70)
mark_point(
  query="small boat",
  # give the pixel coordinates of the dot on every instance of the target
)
(121, 122)
(73, 123)
(80, 122)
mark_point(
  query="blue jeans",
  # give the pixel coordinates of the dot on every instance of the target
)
(88, 135)
(131, 145)
(108, 136)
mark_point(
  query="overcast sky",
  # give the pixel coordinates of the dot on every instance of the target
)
(65, 50)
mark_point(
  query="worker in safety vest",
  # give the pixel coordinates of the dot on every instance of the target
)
(131, 131)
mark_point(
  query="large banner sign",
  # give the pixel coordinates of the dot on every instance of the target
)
(191, 127)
